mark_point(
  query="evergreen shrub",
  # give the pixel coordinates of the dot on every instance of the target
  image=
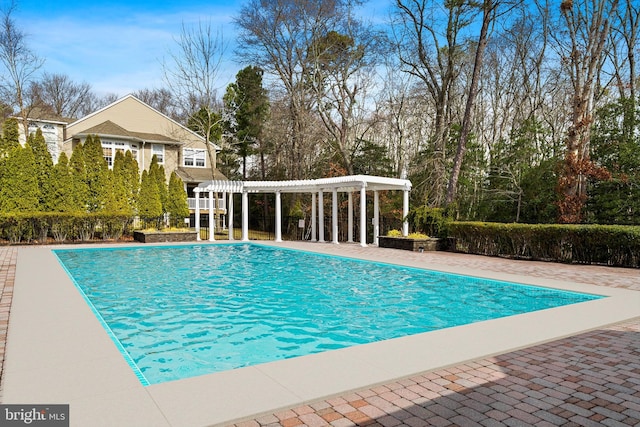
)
(428, 220)
(614, 245)
(113, 224)
(25, 227)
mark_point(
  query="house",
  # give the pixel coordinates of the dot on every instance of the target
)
(52, 127)
(129, 124)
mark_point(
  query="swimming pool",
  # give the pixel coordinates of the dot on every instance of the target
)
(182, 311)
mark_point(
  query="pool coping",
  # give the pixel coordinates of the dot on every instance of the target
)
(57, 351)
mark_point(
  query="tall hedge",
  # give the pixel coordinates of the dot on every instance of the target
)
(614, 245)
(64, 226)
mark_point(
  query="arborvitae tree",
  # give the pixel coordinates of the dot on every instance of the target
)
(10, 136)
(79, 178)
(116, 195)
(156, 172)
(127, 183)
(19, 190)
(149, 204)
(132, 179)
(177, 206)
(43, 167)
(97, 172)
(62, 187)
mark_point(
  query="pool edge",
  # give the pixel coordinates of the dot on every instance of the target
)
(196, 402)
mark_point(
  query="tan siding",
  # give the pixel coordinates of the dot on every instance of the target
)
(171, 156)
(135, 116)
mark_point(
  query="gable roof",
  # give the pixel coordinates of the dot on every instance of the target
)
(198, 174)
(131, 97)
(111, 129)
(44, 113)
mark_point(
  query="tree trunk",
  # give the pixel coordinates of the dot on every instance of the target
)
(585, 56)
(487, 15)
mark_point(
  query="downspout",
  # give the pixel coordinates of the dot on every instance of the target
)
(142, 168)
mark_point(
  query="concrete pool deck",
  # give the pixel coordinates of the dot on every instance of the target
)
(57, 352)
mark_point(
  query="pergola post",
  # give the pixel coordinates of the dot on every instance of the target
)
(350, 219)
(196, 191)
(212, 229)
(334, 216)
(223, 217)
(321, 217)
(363, 216)
(376, 217)
(405, 212)
(278, 217)
(230, 215)
(245, 216)
(313, 217)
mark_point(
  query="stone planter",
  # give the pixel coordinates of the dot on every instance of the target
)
(416, 245)
(164, 236)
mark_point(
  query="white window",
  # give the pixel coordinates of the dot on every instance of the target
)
(120, 147)
(107, 153)
(194, 157)
(110, 148)
(158, 151)
(134, 151)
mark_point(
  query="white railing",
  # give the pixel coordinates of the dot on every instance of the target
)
(221, 204)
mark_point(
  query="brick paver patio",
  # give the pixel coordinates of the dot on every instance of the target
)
(592, 379)
(589, 379)
(8, 258)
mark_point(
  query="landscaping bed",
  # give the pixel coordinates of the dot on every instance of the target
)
(412, 244)
(164, 236)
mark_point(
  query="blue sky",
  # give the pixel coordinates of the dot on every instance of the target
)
(118, 46)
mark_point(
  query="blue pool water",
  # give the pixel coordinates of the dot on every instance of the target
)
(181, 311)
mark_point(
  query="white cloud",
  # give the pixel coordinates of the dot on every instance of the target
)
(114, 55)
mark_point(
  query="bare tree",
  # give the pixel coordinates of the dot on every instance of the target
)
(428, 34)
(397, 112)
(20, 64)
(489, 12)
(277, 35)
(519, 85)
(342, 67)
(192, 75)
(61, 95)
(582, 46)
(160, 99)
(624, 43)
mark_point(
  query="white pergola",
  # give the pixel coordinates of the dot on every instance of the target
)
(317, 187)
